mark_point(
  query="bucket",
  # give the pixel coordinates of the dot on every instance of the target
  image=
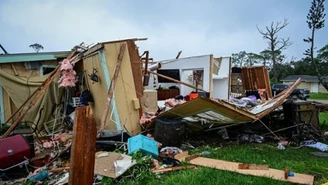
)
(169, 132)
(193, 96)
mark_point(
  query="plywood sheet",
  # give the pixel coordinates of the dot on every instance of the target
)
(270, 173)
(98, 89)
(125, 91)
(105, 165)
(257, 77)
(149, 101)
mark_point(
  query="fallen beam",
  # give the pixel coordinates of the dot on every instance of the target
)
(174, 80)
(176, 168)
(57, 170)
(82, 161)
(112, 87)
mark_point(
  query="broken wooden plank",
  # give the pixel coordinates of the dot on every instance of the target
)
(181, 156)
(178, 55)
(124, 40)
(93, 49)
(146, 75)
(174, 80)
(270, 173)
(176, 168)
(136, 66)
(253, 166)
(56, 170)
(82, 159)
(112, 87)
(191, 157)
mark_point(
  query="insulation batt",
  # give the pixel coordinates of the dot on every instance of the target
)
(68, 74)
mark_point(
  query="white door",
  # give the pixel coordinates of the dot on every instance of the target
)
(314, 87)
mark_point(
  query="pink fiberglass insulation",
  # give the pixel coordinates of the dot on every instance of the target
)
(68, 75)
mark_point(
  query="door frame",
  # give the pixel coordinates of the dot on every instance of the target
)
(2, 108)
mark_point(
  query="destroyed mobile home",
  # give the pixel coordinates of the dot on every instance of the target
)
(61, 106)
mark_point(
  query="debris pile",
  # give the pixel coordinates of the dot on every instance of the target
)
(129, 140)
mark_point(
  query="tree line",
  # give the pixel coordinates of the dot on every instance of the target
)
(314, 62)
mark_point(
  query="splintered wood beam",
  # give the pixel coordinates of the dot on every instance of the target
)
(82, 161)
(174, 80)
(146, 67)
(112, 87)
(178, 55)
(175, 168)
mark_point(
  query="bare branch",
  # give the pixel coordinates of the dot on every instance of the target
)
(284, 43)
(274, 42)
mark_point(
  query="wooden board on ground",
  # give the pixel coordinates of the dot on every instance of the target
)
(253, 166)
(176, 168)
(181, 156)
(270, 173)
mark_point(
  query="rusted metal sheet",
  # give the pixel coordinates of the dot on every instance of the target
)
(256, 77)
(205, 110)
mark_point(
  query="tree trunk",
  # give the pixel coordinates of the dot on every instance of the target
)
(275, 78)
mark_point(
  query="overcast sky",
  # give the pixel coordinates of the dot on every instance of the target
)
(196, 27)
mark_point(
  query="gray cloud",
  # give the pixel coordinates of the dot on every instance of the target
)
(196, 27)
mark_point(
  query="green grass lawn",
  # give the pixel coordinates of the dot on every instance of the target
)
(324, 121)
(298, 161)
(319, 96)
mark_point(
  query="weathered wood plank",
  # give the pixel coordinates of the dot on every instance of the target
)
(136, 66)
(82, 160)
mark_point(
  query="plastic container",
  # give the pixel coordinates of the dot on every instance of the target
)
(169, 132)
(193, 96)
(145, 144)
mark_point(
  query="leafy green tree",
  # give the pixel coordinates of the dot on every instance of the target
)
(282, 70)
(323, 54)
(238, 59)
(315, 21)
(252, 58)
(265, 56)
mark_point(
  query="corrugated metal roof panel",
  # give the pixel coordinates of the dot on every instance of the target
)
(204, 110)
(30, 57)
(209, 111)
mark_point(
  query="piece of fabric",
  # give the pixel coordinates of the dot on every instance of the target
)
(318, 145)
(20, 88)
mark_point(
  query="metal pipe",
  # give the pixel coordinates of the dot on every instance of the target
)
(153, 67)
